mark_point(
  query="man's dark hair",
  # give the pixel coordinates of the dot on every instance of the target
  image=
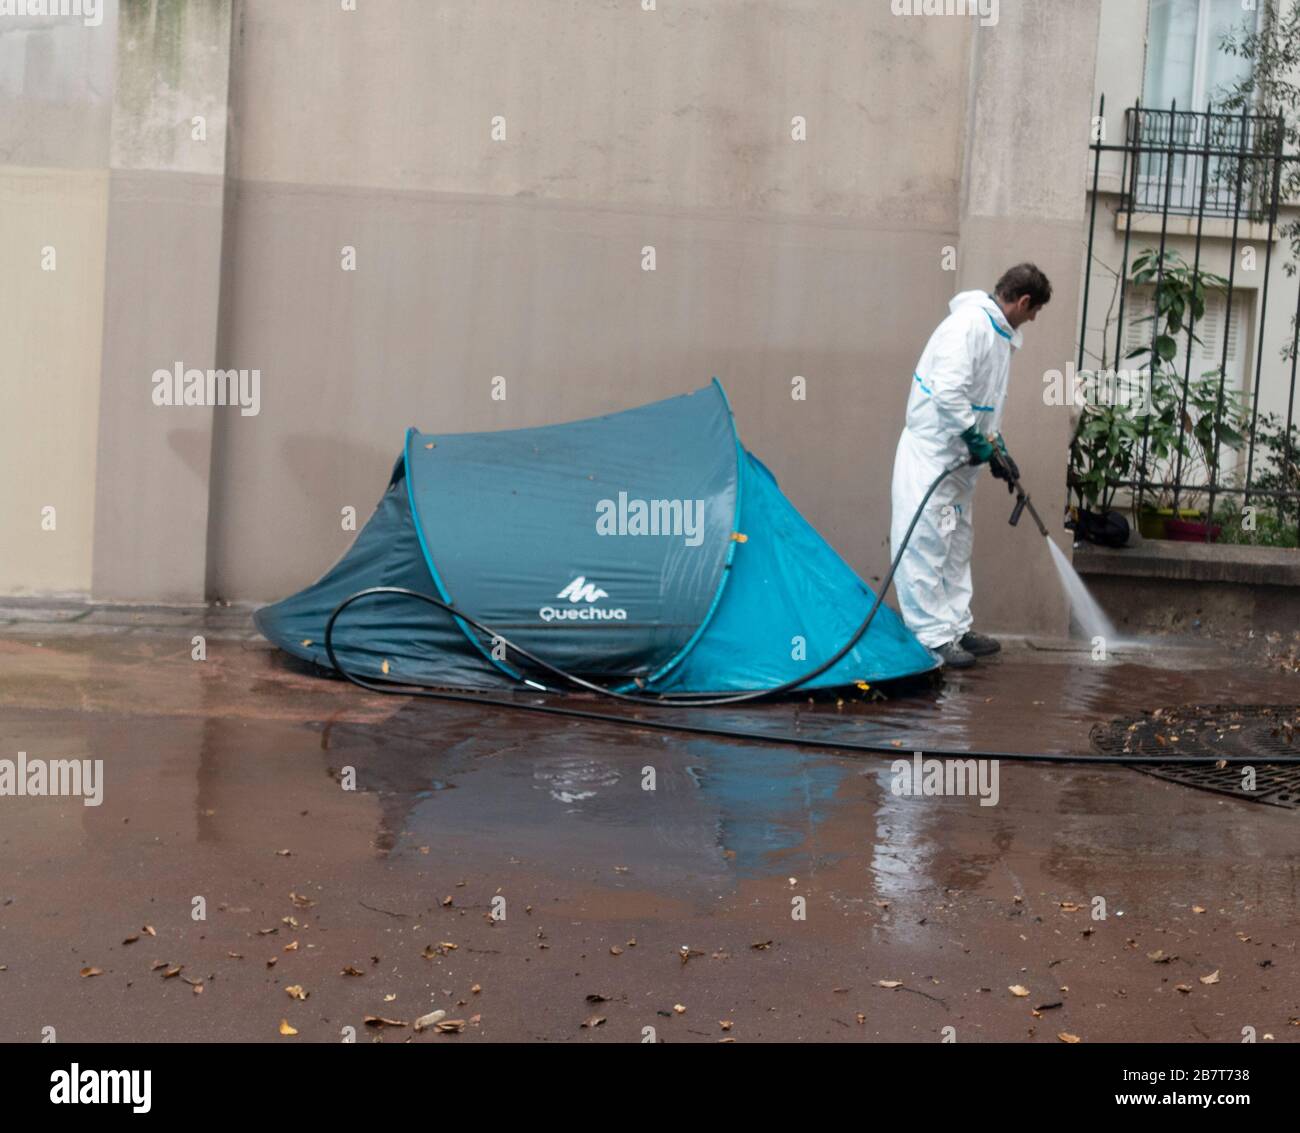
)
(1024, 279)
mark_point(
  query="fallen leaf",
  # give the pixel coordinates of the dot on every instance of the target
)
(429, 1020)
(131, 939)
(1212, 978)
(889, 983)
(86, 973)
(352, 970)
(1018, 990)
(593, 1022)
(295, 991)
(1066, 1037)
(679, 1009)
(450, 1026)
(380, 1021)
(285, 1029)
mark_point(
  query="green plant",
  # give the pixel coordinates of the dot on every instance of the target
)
(1101, 454)
(1276, 469)
(1277, 455)
(1270, 529)
(1178, 426)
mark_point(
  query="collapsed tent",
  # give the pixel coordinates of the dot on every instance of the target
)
(645, 549)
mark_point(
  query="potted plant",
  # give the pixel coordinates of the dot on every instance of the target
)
(1188, 422)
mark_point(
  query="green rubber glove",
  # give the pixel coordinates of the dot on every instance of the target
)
(1002, 466)
(981, 448)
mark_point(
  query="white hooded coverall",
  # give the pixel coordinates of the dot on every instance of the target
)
(961, 380)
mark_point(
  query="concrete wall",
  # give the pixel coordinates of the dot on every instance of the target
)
(1021, 201)
(164, 265)
(522, 257)
(55, 98)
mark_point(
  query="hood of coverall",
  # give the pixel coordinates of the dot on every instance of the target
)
(986, 301)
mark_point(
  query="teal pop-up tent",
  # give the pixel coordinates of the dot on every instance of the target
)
(641, 549)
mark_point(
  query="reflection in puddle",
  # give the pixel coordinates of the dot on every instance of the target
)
(575, 780)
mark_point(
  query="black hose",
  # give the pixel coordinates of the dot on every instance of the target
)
(687, 701)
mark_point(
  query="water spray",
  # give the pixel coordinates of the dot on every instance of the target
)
(1087, 610)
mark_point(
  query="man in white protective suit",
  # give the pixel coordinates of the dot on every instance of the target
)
(953, 415)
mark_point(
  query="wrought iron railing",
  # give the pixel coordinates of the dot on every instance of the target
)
(1187, 179)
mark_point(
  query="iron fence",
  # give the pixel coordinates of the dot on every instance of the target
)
(1192, 185)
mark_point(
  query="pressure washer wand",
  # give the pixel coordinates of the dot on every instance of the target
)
(1022, 502)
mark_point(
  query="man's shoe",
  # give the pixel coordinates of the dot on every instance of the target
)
(954, 656)
(979, 644)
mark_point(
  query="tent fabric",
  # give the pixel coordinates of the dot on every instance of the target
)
(643, 549)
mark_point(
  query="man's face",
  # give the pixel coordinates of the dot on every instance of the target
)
(1021, 311)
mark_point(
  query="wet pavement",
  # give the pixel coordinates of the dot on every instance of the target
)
(514, 870)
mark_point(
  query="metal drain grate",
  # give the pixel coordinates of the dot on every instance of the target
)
(1251, 732)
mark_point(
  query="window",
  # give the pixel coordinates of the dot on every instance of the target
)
(1184, 59)
(1186, 64)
